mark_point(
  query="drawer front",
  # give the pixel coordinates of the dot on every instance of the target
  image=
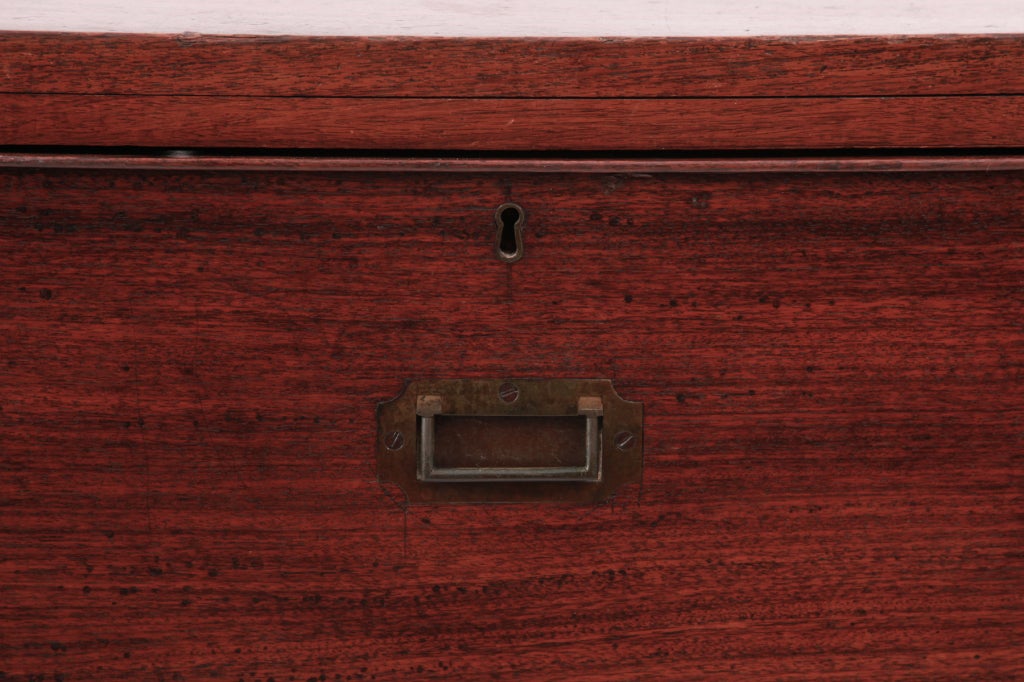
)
(830, 366)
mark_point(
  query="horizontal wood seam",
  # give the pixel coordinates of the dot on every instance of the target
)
(707, 98)
(445, 164)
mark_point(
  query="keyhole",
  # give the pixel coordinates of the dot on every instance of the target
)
(510, 219)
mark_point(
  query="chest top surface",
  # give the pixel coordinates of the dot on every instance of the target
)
(533, 75)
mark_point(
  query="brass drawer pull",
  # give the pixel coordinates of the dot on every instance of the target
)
(476, 440)
(428, 407)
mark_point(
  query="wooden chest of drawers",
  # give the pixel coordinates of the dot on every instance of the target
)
(231, 232)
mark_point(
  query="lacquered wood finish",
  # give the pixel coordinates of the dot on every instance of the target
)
(323, 163)
(513, 124)
(830, 367)
(828, 350)
(532, 67)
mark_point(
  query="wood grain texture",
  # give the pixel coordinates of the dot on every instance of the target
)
(325, 163)
(513, 124)
(831, 373)
(293, 66)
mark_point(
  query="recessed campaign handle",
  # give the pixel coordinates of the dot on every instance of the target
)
(589, 409)
(567, 441)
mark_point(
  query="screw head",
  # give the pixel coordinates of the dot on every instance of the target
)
(624, 440)
(508, 392)
(394, 440)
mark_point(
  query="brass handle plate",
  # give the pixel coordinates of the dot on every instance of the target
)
(483, 440)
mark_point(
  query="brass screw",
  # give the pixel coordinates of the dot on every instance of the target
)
(508, 392)
(624, 440)
(394, 441)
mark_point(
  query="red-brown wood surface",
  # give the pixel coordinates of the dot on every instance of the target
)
(831, 373)
(192, 160)
(513, 124)
(195, 64)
